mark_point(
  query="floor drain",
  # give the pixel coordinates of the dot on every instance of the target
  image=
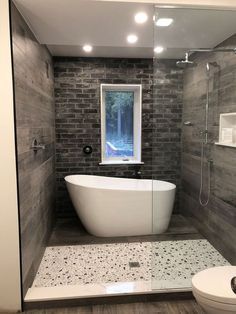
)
(134, 264)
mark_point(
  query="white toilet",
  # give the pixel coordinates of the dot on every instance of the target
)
(212, 290)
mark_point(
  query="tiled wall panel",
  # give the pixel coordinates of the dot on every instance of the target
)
(217, 221)
(35, 118)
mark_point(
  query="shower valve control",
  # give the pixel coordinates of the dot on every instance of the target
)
(87, 150)
(36, 145)
(188, 123)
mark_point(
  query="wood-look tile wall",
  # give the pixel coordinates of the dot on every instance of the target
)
(217, 221)
(34, 104)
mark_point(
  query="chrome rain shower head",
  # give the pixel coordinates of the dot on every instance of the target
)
(186, 63)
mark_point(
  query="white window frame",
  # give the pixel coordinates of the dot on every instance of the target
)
(137, 125)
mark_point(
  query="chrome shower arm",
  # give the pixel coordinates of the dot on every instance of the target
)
(212, 50)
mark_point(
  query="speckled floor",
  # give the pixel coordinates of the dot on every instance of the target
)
(167, 263)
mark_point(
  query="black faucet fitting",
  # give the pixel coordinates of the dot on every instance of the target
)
(137, 172)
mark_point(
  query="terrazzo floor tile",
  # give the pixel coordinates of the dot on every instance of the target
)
(167, 263)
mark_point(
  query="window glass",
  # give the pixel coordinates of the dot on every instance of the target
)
(121, 112)
(119, 133)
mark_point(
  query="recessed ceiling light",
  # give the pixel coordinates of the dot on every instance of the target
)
(132, 38)
(158, 49)
(87, 48)
(141, 17)
(164, 22)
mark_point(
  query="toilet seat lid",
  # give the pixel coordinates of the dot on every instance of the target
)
(215, 284)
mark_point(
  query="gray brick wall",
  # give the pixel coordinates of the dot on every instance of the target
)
(77, 82)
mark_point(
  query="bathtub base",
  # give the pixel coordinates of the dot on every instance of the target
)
(131, 232)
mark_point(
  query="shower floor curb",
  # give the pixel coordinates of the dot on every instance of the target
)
(120, 292)
(96, 290)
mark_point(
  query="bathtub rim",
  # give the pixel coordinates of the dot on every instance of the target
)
(169, 186)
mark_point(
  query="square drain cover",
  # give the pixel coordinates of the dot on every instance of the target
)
(134, 264)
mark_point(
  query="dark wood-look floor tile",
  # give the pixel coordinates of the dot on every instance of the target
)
(71, 232)
(166, 307)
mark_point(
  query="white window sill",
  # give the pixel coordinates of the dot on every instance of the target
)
(226, 144)
(120, 162)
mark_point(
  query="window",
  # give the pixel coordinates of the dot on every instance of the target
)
(121, 123)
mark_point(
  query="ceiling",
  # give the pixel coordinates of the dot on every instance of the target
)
(65, 26)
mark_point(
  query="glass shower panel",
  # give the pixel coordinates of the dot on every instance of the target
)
(192, 86)
(166, 158)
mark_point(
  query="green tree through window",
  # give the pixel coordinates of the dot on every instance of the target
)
(119, 123)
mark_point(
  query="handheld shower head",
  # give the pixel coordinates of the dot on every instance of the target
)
(209, 64)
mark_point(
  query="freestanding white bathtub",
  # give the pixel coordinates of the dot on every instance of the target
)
(121, 207)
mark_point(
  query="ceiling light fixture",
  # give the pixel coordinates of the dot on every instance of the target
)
(87, 48)
(140, 17)
(164, 22)
(158, 49)
(132, 38)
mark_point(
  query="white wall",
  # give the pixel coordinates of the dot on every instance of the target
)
(224, 3)
(212, 3)
(10, 297)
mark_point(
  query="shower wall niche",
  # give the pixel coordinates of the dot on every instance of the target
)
(227, 129)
